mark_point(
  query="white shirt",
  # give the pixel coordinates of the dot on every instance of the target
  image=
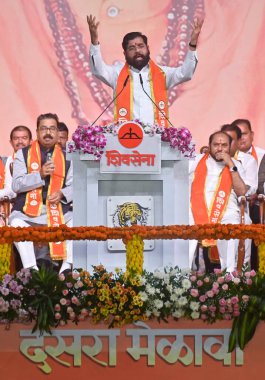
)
(214, 168)
(250, 167)
(260, 153)
(7, 190)
(143, 108)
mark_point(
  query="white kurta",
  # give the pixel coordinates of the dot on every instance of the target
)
(143, 108)
(227, 248)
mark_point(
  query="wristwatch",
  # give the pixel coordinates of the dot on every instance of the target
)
(233, 169)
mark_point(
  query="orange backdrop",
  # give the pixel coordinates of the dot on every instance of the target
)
(40, 71)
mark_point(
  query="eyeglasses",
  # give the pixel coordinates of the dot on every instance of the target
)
(45, 129)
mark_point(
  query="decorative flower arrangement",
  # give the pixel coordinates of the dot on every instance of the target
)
(119, 298)
(92, 139)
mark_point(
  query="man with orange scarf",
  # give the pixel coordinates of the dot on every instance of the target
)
(141, 75)
(217, 180)
(42, 179)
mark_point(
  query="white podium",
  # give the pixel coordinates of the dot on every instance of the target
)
(170, 193)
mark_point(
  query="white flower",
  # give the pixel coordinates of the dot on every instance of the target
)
(158, 304)
(169, 288)
(158, 274)
(143, 296)
(186, 283)
(166, 278)
(167, 304)
(173, 297)
(149, 289)
(178, 291)
(195, 315)
(194, 305)
(156, 313)
(236, 280)
(148, 313)
(183, 301)
(178, 313)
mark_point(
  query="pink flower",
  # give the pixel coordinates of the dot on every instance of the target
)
(236, 313)
(222, 302)
(220, 280)
(212, 308)
(63, 301)
(202, 298)
(194, 292)
(249, 281)
(247, 274)
(204, 308)
(206, 280)
(80, 284)
(234, 299)
(199, 283)
(57, 307)
(204, 317)
(222, 310)
(65, 292)
(75, 275)
(62, 323)
(57, 316)
(227, 317)
(217, 271)
(72, 315)
(225, 287)
(75, 300)
(228, 277)
(210, 293)
(252, 273)
(215, 285)
(236, 280)
(61, 277)
(245, 298)
(193, 278)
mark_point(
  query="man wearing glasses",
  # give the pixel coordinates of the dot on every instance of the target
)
(42, 179)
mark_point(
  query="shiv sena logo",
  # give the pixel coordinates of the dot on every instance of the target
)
(129, 214)
(130, 134)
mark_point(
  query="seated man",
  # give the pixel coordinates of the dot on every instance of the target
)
(20, 137)
(42, 179)
(216, 182)
(63, 134)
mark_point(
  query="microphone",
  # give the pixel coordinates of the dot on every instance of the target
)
(159, 109)
(113, 100)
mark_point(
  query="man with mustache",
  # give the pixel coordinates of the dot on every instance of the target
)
(42, 179)
(20, 137)
(141, 74)
(216, 182)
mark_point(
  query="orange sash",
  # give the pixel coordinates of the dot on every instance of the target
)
(200, 211)
(2, 174)
(123, 110)
(34, 202)
(254, 153)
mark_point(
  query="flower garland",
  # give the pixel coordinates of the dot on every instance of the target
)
(92, 140)
(261, 255)
(186, 232)
(5, 258)
(135, 255)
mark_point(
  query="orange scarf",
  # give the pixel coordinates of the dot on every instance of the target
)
(34, 202)
(200, 211)
(2, 174)
(254, 153)
(123, 110)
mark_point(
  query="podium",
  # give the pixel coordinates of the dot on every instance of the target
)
(169, 191)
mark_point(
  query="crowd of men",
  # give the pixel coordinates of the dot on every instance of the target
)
(38, 178)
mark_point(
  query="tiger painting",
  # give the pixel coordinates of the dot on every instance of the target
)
(129, 214)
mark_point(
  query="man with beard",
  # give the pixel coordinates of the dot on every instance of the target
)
(20, 137)
(139, 75)
(42, 179)
(216, 181)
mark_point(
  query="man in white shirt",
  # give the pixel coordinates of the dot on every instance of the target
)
(250, 167)
(20, 137)
(139, 76)
(246, 141)
(216, 181)
(246, 145)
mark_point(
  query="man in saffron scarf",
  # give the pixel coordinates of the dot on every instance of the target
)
(140, 75)
(42, 179)
(217, 180)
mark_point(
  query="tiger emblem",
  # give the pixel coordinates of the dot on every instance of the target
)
(129, 214)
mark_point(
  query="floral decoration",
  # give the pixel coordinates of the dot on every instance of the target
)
(92, 139)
